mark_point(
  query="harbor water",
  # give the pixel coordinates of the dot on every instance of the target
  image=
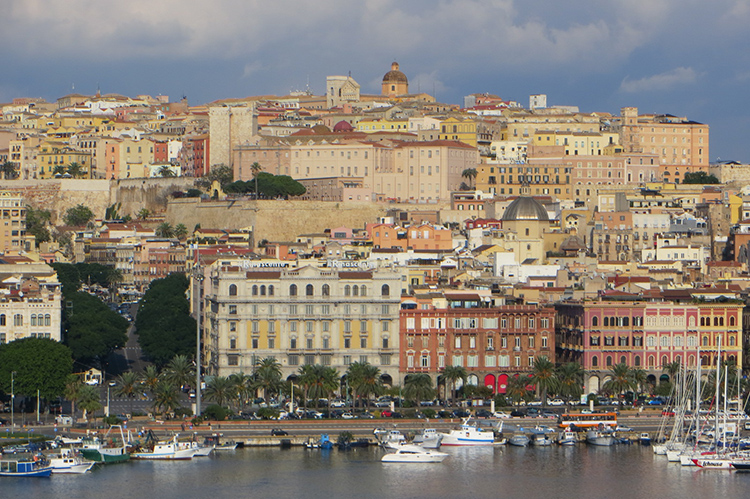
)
(481, 472)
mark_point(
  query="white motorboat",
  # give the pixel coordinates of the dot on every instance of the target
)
(600, 438)
(468, 435)
(392, 438)
(429, 438)
(541, 440)
(567, 437)
(69, 461)
(519, 440)
(199, 450)
(414, 454)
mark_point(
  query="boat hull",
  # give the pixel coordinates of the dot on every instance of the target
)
(73, 469)
(106, 456)
(41, 472)
(177, 455)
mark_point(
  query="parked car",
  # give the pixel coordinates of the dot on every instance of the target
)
(278, 432)
(348, 415)
(500, 415)
(461, 414)
(338, 403)
(427, 403)
(366, 415)
(483, 413)
(532, 412)
(556, 402)
(515, 413)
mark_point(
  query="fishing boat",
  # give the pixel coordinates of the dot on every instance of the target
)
(219, 446)
(70, 461)
(468, 434)
(567, 438)
(414, 454)
(165, 450)
(324, 443)
(198, 449)
(106, 450)
(389, 438)
(25, 468)
(645, 438)
(600, 438)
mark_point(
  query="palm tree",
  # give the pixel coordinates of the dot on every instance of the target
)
(76, 170)
(640, 378)
(672, 369)
(243, 388)
(364, 379)
(73, 391)
(9, 171)
(166, 171)
(318, 381)
(621, 379)
(180, 371)
(570, 377)
(180, 231)
(166, 397)
(165, 230)
(419, 387)
(544, 377)
(220, 390)
(256, 168)
(143, 214)
(88, 400)
(268, 376)
(470, 174)
(517, 388)
(128, 384)
(150, 377)
(451, 375)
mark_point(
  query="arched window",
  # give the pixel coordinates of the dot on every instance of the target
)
(363, 290)
(309, 290)
(270, 290)
(626, 321)
(33, 319)
(606, 322)
(293, 290)
(263, 290)
(232, 290)
(595, 321)
(705, 341)
(255, 290)
(355, 290)
(594, 361)
(716, 321)
(347, 290)
(47, 320)
(664, 361)
(609, 361)
(691, 322)
(664, 341)
(650, 361)
(721, 321)
(385, 290)
(2, 319)
(637, 361)
(326, 290)
(623, 360)
(731, 341)
(732, 321)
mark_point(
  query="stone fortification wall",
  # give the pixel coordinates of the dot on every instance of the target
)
(272, 220)
(150, 193)
(58, 195)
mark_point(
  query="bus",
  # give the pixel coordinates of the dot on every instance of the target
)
(593, 420)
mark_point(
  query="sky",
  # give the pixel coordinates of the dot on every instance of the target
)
(688, 58)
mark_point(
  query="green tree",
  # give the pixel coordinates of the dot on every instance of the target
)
(469, 174)
(166, 397)
(451, 375)
(419, 387)
(318, 381)
(517, 388)
(89, 400)
(180, 231)
(180, 371)
(76, 170)
(143, 214)
(78, 216)
(165, 230)
(93, 330)
(163, 324)
(128, 386)
(256, 168)
(150, 377)
(220, 173)
(9, 171)
(40, 365)
(244, 388)
(364, 379)
(699, 178)
(267, 376)
(166, 171)
(621, 379)
(37, 224)
(72, 391)
(113, 212)
(220, 390)
(543, 375)
(570, 376)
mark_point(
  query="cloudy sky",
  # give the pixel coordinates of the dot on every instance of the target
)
(683, 57)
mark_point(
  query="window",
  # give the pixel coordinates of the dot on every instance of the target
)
(309, 343)
(254, 290)
(232, 309)
(531, 342)
(326, 290)
(232, 343)
(293, 290)
(270, 290)
(2, 319)
(424, 361)
(347, 342)
(254, 343)
(385, 342)
(347, 360)
(385, 309)
(363, 326)
(544, 341)
(347, 327)
(309, 310)
(309, 326)
(271, 342)
(517, 340)
(233, 360)
(363, 290)
(18, 319)
(385, 290)
(293, 343)
(309, 290)
(325, 309)
(294, 360)
(347, 290)
(457, 342)
(595, 321)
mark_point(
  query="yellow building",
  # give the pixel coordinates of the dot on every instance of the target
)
(382, 125)
(462, 130)
(577, 143)
(53, 154)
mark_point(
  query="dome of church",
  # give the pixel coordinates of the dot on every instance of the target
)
(525, 208)
(394, 75)
(343, 126)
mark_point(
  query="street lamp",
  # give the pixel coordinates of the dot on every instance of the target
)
(197, 279)
(13, 399)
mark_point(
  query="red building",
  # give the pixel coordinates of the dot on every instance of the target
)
(491, 343)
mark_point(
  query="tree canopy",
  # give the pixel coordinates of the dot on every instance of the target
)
(93, 331)
(699, 178)
(36, 223)
(39, 363)
(268, 186)
(78, 215)
(220, 173)
(163, 324)
(73, 275)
